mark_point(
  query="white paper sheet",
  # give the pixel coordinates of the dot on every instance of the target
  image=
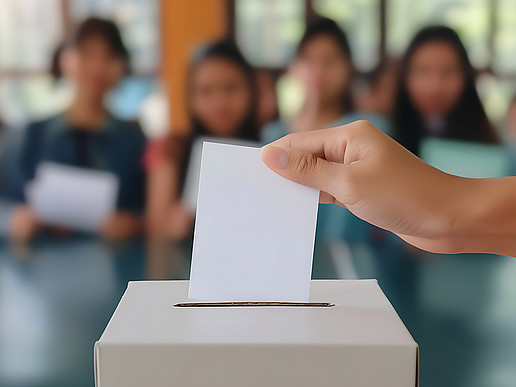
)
(77, 198)
(191, 186)
(254, 230)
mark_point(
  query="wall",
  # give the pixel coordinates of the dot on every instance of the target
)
(184, 23)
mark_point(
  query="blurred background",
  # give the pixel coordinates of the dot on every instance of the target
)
(126, 90)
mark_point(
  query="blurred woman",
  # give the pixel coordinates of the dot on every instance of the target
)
(267, 110)
(510, 119)
(509, 134)
(376, 94)
(323, 64)
(87, 135)
(437, 94)
(222, 100)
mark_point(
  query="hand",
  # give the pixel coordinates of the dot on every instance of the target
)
(179, 223)
(304, 74)
(122, 225)
(174, 223)
(359, 167)
(305, 118)
(24, 224)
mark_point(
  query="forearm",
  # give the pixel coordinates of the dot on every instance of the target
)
(363, 169)
(161, 189)
(487, 218)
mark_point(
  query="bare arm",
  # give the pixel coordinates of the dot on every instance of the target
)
(166, 217)
(488, 217)
(161, 190)
(359, 167)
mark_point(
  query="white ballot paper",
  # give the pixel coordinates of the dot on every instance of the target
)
(191, 185)
(254, 230)
(78, 198)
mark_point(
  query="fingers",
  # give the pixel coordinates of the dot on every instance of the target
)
(24, 224)
(326, 198)
(324, 159)
(304, 168)
(331, 144)
(316, 142)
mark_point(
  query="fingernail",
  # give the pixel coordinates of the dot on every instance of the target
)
(275, 157)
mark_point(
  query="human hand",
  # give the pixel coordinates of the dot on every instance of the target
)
(175, 224)
(121, 225)
(179, 223)
(359, 167)
(304, 74)
(24, 224)
(303, 119)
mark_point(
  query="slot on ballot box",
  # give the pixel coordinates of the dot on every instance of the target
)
(347, 335)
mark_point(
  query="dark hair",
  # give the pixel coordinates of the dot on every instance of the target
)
(55, 63)
(468, 120)
(93, 27)
(227, 50)
(323, 26)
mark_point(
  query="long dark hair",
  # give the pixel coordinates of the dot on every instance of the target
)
(227, 50)
(468, 120)
(93, 27)
(327, 27)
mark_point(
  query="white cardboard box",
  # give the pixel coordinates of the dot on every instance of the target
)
(359, 342)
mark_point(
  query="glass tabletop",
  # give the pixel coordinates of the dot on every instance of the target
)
(57, 296)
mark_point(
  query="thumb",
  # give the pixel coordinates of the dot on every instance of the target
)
(303, 167)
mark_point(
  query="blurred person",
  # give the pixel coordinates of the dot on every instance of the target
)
(323, 63)
(509, 135)
(436, 94)
(511, 119)
(267, 100)
(87, 135)
(4, 207)
(377, 95)
(358, 167)
(2, 140)
(222, 103)
(9, 142)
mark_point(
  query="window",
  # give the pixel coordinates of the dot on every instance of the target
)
(25, 36)
(470, 18)
(137, 20)
(267, 31)
(361, 21)
(505, 38)
(30, 30)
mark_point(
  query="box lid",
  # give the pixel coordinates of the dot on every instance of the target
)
(359, 342)
(362, 316)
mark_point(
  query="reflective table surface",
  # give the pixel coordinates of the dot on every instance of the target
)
(57, 296)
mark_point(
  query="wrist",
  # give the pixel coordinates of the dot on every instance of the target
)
(460, 213)
(464, 214)
(485, 217)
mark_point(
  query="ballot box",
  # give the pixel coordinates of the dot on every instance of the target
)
(360, 341)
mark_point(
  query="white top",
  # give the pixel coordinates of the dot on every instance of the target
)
(362, 316)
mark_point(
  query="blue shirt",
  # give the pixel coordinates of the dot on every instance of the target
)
(117, 147)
